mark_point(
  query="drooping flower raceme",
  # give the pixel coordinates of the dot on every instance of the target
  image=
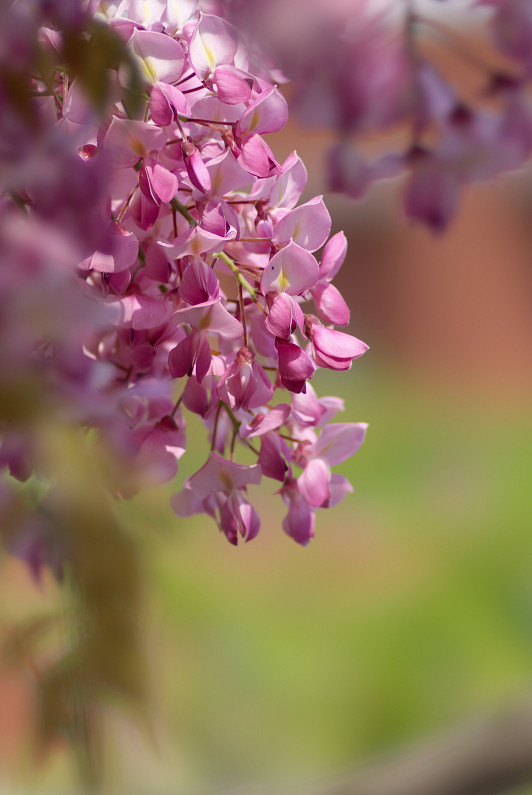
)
(193, 275)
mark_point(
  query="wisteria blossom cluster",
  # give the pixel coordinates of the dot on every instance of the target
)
(155, 259)
(367, 67)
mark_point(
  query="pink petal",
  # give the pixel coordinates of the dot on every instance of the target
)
(313, 482)
(292, 270)
(330, 304)
(218, 474)
(191, 353)
(161, 109)
(143, 312)
(162, 181)
(284, 317)
(268, 113)
(178, 14)
(186, 503)
(166, 102)
(233, 85)
(193, 242)
(76, 107)
(306, 409)
(308, 225)
(146, 187)
(244, 384)
(290, 184)
(197, 171)
(256, 156)
(260, 390)
(199, 283)
(124, 252)
(211, 316)
(226, 174)
(333, 256)
(195, 397)
(229, 522)
(223, 323)
(237, 516)
(119, 282)
(339, 488)
(213, 218)
(332, 406)
(128, 140)
(337, 344)
(157, 266)
(158, 454)
(250, 520)
(213, 43)
(299, 521)
(144, 211)
(203, 357)
(294, 366)
(262, 424)
(273, 455)
(338, 442)
(161, 56)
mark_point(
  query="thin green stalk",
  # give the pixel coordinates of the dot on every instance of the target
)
(175, 204)
(241, 279)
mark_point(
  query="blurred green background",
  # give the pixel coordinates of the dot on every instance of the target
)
(410, 612)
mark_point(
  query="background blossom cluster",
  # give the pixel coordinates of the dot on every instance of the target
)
(163, 265)
(365, 68)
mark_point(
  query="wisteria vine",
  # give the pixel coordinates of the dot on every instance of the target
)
(171, 268)
(162, 260)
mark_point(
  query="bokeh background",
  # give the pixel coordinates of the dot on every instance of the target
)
(411, 611)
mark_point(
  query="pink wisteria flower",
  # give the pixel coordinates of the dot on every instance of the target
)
(181, 271)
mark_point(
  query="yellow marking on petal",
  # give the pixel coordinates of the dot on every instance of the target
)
(195, 245)
(210, 56)
(216, 182)
(225, 477)
(283, 281)
(178, 14)
(205, 321)
(254, 121)
(137, 146)
(149, 71)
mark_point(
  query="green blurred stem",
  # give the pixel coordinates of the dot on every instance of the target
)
(236, 428)
(241, 279)
(175, 204)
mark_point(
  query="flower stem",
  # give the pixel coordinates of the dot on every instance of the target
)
(242, 315)
(241, 279)
(215, 429)
(175, 204)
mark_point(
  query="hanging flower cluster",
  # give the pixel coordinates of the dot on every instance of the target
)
(161, 253)
(365, 67)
